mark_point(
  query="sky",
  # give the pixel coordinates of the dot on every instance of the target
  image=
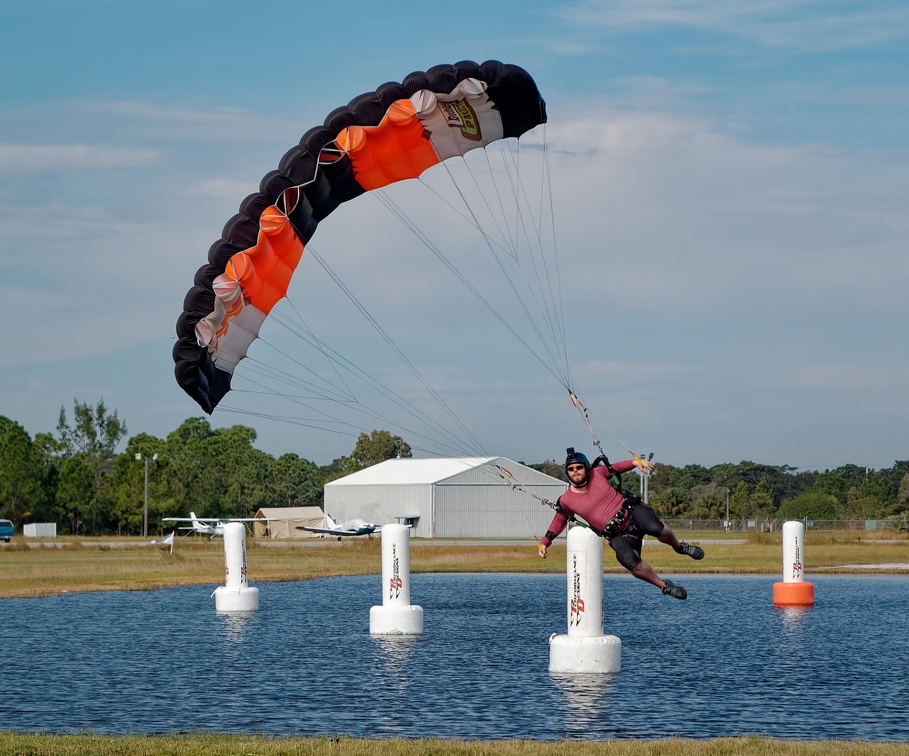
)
(729, 188)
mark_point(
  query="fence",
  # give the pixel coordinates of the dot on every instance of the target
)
(772, 525)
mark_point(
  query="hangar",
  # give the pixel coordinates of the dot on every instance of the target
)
(460, 497)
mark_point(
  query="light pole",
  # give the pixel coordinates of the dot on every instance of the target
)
(727, 510)
(145, 508)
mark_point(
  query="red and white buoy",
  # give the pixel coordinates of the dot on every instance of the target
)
(794, 590)
(585, 648)
(396, 615)
(236, 595)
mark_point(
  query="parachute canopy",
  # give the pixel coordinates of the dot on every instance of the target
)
(381, 137)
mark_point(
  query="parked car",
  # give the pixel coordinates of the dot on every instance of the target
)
(7, 530)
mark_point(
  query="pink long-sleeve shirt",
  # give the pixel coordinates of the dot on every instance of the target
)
(596, 503)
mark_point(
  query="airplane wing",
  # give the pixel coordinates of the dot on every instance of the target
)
(219, 520)
(190, 519)
(329, 531)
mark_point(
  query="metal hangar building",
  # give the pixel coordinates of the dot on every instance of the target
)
(461, 497)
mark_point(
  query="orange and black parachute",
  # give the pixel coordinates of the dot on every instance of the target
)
(394, 133)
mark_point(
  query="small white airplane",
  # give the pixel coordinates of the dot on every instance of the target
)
(355, 527)
(209, 526)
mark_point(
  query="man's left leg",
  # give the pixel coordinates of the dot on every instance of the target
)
(646, 519)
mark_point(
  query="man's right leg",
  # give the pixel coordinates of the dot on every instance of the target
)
(629, 558)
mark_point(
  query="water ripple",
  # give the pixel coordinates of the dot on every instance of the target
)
(723, 663)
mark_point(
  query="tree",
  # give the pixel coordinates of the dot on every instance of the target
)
(904, 491)
(813, 505)
(762, 500)
(552, 468)
(93, 437)
(20, 472)
(293, 482)
(75, 493)
(376, 447)
(127, 493)
(873, 498)
(832, 484)
(672, 502)
(216, 473)
(740, 503)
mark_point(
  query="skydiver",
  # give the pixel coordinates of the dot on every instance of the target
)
(618, 516)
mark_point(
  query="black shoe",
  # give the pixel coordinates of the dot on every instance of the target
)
(676, 591)
(695, 552)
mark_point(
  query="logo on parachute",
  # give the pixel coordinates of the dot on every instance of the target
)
(461, 115)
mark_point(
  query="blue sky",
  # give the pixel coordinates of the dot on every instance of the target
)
(729, 183)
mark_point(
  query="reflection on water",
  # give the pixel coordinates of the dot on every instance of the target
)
(585, 695)
(394, 652)
(725, 662)
(235, 625)
(794, 616)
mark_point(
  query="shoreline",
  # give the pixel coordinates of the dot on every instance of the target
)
(67, 565)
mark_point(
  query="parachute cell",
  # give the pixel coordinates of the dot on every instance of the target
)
(392, 134)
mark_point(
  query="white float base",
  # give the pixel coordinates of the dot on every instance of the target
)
(406, 619)
(244, 600)
(571, 653)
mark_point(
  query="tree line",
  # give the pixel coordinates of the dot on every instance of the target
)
(754, 491)
(76, 478)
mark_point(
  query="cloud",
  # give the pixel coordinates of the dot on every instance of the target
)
(40, 158)
(795, 25)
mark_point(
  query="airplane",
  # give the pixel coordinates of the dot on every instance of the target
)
(210, 526)
(355, 527)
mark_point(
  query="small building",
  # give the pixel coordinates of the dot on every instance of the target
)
(282, 522)
(40, 530)
(465, 497)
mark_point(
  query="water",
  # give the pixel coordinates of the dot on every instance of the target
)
(723, 663)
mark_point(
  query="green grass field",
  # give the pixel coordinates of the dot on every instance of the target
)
(251, 745)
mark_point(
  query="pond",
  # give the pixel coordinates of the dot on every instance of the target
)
(723, 663)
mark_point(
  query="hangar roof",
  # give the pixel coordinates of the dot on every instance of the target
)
(412, 471)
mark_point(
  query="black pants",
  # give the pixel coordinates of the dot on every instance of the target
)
(627, 545)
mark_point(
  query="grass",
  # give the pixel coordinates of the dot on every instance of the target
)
(80, 565)
(253, 745)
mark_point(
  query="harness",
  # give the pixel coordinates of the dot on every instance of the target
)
(620, 521)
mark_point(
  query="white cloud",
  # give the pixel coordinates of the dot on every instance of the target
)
(38, 158)
(796, 25)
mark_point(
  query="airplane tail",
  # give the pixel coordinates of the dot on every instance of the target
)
(329, 523)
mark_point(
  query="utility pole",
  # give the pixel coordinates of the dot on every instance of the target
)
(142, 458)
(727, 510)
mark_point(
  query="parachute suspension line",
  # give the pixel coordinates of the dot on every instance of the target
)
(452, 444)
(396, 349)
(277, 376)
(547, 177)
(310, 338)
(551, 294)
(338, 360)
(585, 416)
(412, 227)
(523, 304)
